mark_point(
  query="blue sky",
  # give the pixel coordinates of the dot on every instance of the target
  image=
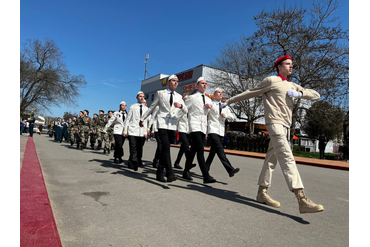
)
(106, 41)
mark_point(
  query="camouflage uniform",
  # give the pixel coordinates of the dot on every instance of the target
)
(94, 133)
(101, 122)
(84, 124)
(73, 130)
(105, 136)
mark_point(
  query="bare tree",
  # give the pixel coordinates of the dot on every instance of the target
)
(316, 42)
(44, 77)
(312, 37)
(238, 71)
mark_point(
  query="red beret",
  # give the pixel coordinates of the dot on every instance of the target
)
(282, 59)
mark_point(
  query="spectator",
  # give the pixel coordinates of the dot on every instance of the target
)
(322, 144)
(22, 126)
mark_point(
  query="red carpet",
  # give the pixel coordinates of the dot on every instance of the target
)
(37, 224)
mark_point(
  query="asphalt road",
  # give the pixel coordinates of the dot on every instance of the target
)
(98, 203)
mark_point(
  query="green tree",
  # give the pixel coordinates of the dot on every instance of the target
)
(324, 117)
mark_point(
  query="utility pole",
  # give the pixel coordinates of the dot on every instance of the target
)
(146, 63)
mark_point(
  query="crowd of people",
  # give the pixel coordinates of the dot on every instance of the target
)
(196, 117)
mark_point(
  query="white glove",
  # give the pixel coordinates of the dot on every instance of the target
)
(223, 104)
(294, 94)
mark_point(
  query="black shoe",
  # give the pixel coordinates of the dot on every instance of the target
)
(116, 160)
(209, 180)
(120, 160)
(160, 176)
(171, 178)
(105, 151)
(155, 163)
(186, 175)
(233, 172)
(78, 145)
(99, 145)
(108, 150)
(177, 166)
(72, 143)
(136, 167)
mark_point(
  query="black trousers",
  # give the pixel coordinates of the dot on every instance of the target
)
(322, 153)
(136, 149)
(159, 147)
(217, 148)
(118, 148)
(184, 148)
(166, 137)
(197, 147)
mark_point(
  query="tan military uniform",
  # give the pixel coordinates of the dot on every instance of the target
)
(278, 117)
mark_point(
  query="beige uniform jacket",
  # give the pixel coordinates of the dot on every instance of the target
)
(278, 105)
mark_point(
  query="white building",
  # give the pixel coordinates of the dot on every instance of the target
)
(187, 82)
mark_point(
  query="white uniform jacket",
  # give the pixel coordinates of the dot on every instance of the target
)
(167, 116)
(117, 118)
(131, 126)
(183, 125)
(153, 120)
(216, 123)
(197, 112)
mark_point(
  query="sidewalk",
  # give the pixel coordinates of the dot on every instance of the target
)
(333, 164)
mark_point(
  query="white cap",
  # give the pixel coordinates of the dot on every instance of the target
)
(201, 79)
(140, 92)
(123, 102)
(172, 77)
(217, 90)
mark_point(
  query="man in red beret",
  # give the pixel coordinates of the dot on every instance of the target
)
(278, 96)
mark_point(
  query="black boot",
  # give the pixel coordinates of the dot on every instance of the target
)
(99, 145)
(72, 143)
(78, 145)
(116, 160)
(105, 151)
(108, 150)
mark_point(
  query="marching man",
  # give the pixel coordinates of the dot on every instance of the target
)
(278, 98)
(198, 106)
(171, 107)
(216, 132)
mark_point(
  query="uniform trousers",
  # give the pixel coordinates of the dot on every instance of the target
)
(136, 149)
(217, 147)
(166, 137)
(159, 147)
(118, 148)
(184, 139)
(197, 140)
(279, 151)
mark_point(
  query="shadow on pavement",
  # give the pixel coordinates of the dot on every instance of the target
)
(235, 197)
(123, 170)
(206, 189)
